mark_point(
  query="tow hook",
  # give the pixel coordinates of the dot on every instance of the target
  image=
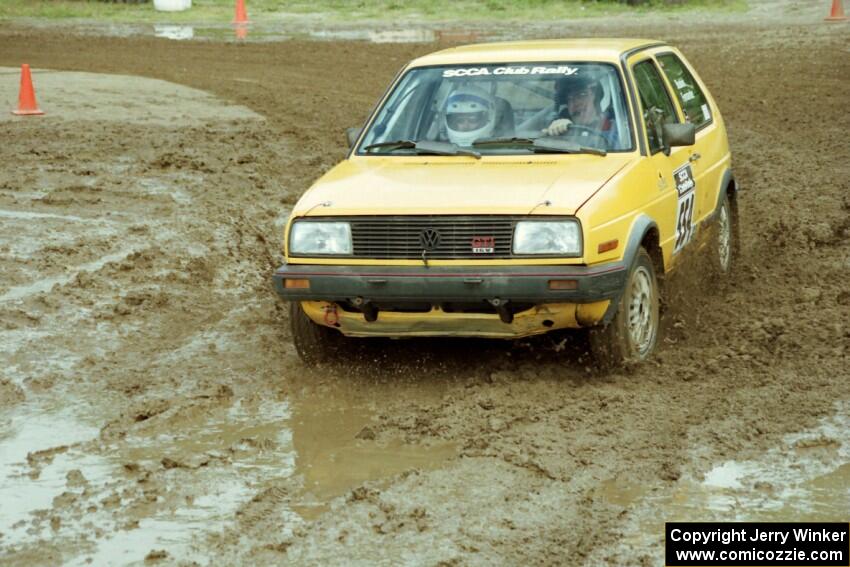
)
(501, 307)
(331, 316)
(370, 312)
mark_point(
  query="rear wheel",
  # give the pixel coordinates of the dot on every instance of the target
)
(313, 343)
(724, 242)
(632, 334)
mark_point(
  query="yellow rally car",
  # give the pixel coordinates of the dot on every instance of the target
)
(511, 189)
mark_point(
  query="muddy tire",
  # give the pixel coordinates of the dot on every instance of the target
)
(632, 334)
(313, 343)
(723, 247)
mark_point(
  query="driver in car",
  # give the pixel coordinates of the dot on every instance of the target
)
(470, 114)
(580, 99)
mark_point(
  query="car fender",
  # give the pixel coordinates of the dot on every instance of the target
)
(642, 225)
(721, 192)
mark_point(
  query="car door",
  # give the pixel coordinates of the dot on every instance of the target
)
(710, 153)
(677, 189)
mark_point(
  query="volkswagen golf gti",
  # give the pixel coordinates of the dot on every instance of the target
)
(511, 189)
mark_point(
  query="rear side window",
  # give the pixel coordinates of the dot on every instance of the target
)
(690, 96)
(655, 102)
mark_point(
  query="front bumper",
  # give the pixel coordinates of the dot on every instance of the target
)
(438, 323)
(367, 288)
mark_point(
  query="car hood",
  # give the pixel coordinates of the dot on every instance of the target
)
(459, 185)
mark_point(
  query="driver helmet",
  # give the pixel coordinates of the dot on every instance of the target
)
(470, 114)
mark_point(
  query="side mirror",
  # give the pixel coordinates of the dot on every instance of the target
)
(678, 135)
(352, 134)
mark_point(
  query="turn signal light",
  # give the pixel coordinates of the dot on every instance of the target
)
(297, 284)
(563, 284)
(608, 246)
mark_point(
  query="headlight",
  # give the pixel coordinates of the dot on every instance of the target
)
(307, 237)
(548, 237)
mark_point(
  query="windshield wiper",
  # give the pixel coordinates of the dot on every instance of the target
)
(398, 144)
(554, 145)
(543, 144)
(502, 142)
(424, 147)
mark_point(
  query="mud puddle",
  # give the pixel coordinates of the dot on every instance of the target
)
(215, 464)
(169, 31)
(273, 33)
(39, 452)
(377, 36)
(400, 35)
(184, 473)
(338, 450)
(62, 482)
(264, 33)
(805, 479)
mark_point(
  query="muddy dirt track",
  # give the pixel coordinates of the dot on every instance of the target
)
(152, 407)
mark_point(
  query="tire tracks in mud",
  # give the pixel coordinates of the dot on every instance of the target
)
(145, 331)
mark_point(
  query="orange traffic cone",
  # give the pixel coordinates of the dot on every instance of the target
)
(26, 98)
(241, 14)
(837, 12)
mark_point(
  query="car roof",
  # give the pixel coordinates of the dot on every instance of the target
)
(586, 49)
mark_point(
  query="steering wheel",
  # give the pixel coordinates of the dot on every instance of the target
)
(590, 136)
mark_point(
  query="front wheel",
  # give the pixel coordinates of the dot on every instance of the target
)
(632, 334)
(313, 343)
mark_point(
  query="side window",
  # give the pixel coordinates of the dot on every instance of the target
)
(655, 102)
(690, 96)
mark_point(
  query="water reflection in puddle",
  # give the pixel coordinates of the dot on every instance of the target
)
(280, 33)
(24, 488)
(174, 32)
(373, 36)
(131, 547)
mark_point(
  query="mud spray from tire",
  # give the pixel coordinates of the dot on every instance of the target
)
(152, 407)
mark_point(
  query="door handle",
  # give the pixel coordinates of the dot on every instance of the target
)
(694, 157)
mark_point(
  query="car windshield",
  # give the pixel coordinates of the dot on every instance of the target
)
(516, 108)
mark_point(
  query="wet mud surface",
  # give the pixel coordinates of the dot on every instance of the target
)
(152, 407)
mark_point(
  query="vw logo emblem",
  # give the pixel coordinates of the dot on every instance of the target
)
(429, 239)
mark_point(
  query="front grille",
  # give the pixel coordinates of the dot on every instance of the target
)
(442, 237)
